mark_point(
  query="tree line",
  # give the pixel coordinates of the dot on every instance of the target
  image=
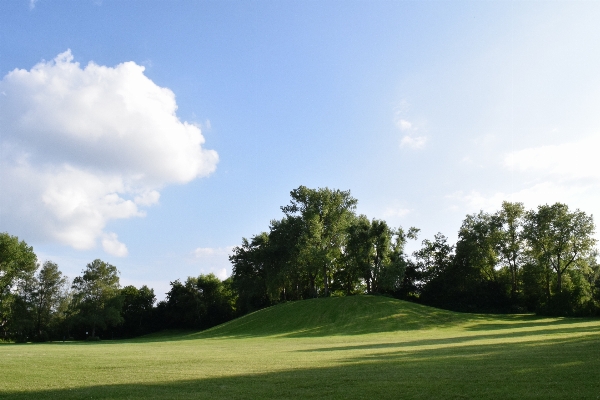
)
(513, 260)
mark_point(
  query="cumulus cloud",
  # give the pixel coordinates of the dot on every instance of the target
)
(83, 146)
(111, 245)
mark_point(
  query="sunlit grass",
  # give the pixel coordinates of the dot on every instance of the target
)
(358, 347)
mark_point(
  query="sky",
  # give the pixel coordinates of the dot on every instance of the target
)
(156, 135)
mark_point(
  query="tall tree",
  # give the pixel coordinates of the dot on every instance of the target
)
(358, 254)
(433, 262)
(18, 263)
(96, 296)
(511, 245)
(137, 309)
(199, 303)
(249, 273)
(325, 215)
(48, 293)
(559, 238)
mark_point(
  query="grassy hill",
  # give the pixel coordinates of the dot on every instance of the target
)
(353, 315)
(359, 347)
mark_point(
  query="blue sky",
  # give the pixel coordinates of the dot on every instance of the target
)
(426, 111)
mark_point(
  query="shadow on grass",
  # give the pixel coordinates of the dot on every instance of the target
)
(531, 337)
(566, 368)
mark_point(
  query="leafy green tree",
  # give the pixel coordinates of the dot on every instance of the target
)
(48, 295)
(325, 216)
(359, 249)
(433, 261)
(391, 280)
(199, 303)
(377, 254)
(96, 296)
(138, 305)
(511, 244)
(558, 238)
(18, 263)
(249, 273)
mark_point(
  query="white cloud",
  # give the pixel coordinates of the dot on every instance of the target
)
(404, 125)
(570, 161)
(32, 4)
(568, 173)
(111, 245)
(417, 142)
(83, 146)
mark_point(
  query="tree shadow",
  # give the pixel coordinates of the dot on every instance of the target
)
(470, 340)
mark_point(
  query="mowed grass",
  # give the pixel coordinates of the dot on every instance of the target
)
(359, 347)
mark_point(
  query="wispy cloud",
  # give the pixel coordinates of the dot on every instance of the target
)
(417, 142)
(213, 260)
(398, 212)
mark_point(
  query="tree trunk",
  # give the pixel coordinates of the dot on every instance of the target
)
(548, 282)
(325, 281)
(514, 281)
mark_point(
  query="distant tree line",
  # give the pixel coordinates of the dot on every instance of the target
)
(514, 260)
(38, 303)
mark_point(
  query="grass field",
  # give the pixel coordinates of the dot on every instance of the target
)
(348, 348)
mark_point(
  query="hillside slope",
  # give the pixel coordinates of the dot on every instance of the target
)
(351, 315)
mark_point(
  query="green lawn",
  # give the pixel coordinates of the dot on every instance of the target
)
(357, 347)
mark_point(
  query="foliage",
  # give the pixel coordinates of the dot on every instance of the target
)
(137, 311)
(18, 263)
(199, 303)
(319, 248)
(96, 296)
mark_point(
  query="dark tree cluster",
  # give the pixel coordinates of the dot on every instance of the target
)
(38, 303)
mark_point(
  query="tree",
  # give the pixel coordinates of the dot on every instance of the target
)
(199, 303)
(559, 238)
(249, 273)
(49, 291)
(96, 296)
(18, 262)
(433, 262)
(137, 309)
(325, 215)
(511, 245)
(358, 254)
